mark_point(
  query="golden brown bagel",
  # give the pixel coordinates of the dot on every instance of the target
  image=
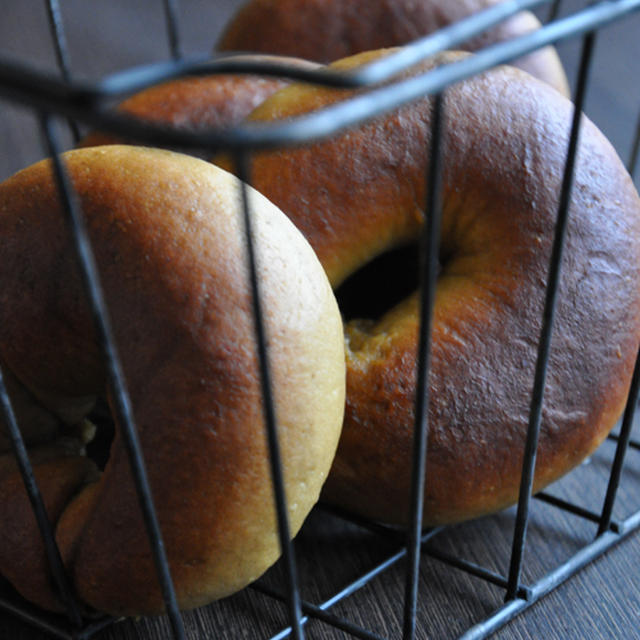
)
(361, 193)
(326, 30)
(169, 245)
(195, 103)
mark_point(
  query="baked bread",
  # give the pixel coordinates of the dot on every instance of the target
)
(358, 198)
(327, 30)
(168, 240)
(196, 103)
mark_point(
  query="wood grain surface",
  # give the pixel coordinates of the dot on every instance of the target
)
(601, 601)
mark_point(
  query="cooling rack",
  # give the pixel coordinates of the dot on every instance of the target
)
(435, 583)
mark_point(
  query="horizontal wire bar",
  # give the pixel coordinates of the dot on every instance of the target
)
(319, 612)
(361, 581)
(570, 507)
(373, 526)
(633, 444)
(96, 626)
(357, 584)
(630, 524)
(36, 619)
(134, 79)
(53, 624)
(554, 579)
(26, 86)
(343, 593)
(446, 38)
(497, 620)
(362, 107)
(139, 77)
(474, 569)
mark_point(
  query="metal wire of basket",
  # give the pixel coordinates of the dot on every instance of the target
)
(88, 104)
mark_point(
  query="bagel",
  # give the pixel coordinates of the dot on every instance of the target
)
(327, 30)
(168, 240)
(195, 103)
(359, 196)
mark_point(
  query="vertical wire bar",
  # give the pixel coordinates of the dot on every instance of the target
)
(430, 241)
(122, 406)
(621, 450)
(286, 546)
(635, 150)
(59, 39)
(535, 412)
(52, 552)
(173, 31)
(61, 50)
(554, 10)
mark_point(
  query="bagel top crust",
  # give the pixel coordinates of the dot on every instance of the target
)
(195, 103)
(168, 240)
(362, 192)
(192, 103)
(328, 30)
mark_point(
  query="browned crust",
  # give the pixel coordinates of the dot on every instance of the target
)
(168, 240)
(194, 103)
(22, 554)
(200, 102)
(505, 145)
(327, 30)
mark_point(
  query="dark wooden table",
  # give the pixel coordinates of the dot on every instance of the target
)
(601, 601)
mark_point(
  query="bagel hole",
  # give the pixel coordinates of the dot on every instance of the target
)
(380, 285)
(99, 448)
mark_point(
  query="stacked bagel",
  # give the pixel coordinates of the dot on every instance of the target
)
(327, 30)
(167, 234)
(201, 102)
(359, 196)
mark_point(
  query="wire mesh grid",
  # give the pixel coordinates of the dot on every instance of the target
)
(287, 602)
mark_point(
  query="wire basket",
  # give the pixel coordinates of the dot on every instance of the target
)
(339, 561)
